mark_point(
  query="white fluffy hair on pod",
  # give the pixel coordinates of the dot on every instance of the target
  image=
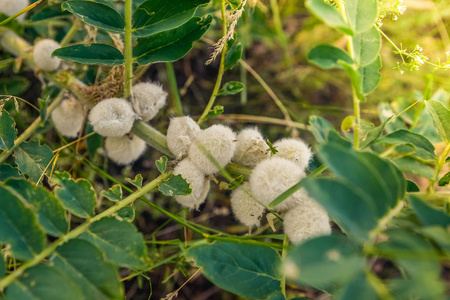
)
(245, 208)
(219, 141)
(125, 149)
(180, 134)
(11, 7)
(42, 54)
(197, 182)
(306, 221)
(271, 177)
(112, 117)
(295, 150)
(68, 117)
(147, 99)
(250, 148)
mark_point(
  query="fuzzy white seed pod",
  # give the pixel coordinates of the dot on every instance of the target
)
(306, 221)
(295, 150)
(42, 54)
(112, 117)
(218, 141)
(125, 149)
(68, 117)
(197, 182)
(11, 7)
(245, 208)
(250, 148)
(148, 98)
(180, 134)
(271, 177)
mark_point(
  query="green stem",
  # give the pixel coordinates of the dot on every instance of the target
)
(221, 68)
(128, 49)
(80, 229)
(283, 259)
(174, 89)
(151, 136)
(69, 35)
(439, 164)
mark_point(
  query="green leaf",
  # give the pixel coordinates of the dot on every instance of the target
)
(154, 16)
(411, 187)
(326, 262)
(234, 4)
(85, 264)
(320, 128)
(441, 118)
(96, 14)
(329, 14)
(216, 111)
(366, 46)
(43, 282)
(429, 215)
(114, 193)
(231, 88)
(358, 288)
(2, 266)
(120, 240)
(246, 270)
(273, 149)
(6, 171)
(386, 112)
(14, 85)
(410, 165)
(126, 214)
(348, 123)
(327, 57)
(8, 132)
(32, 159)
(51, 214)
(362, 14)
(355, 78)
(174, 186)
(137, 181)
(161, 164)
(19, 226)
(277, 296)
(48, 12)
(370, 76)
(236, 182)
(234, 54)
(95, 54)
(77, 196)
(373, 134)
(445, 180)
(424, 148)
(170, 45)
(43, 104)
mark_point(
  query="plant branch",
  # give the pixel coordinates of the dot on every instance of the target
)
(174, 89)
(128, 49)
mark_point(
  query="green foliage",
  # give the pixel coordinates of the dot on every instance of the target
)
(174, 186)
(216, 111)
(114, 193)
(370, 76)
(137, 181)
(161, 164)
(366, 46)
(8, 132)
(441, 118)
(234, 54)
(231, 88)
(14, 86)
(6, 171)
(95, 54)
(428, 215)
(328, 57)
(328, 14)
(421, 144)
(33, 159)
(361, 14)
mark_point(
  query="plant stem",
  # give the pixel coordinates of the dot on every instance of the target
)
(174, 89)
(283, 259)
(69, 35)
(439, 164)
(128, 49)
(80, 229)
(151, 136)
(221, 67)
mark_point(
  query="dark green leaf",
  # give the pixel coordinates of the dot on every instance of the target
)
(13, 86)
(234, 54)
(85, 264)
(137, 181)
(246, 270)
(429, 215)
(411, 187)
(161, 164)
(19, 226)
(170, 45)
(114, 193)
(355, 78)
(174, 186)
(410, 165)
(366, 46)
(444, 179)
(155, 16)
(320, 128)
(43, 282)
(6, 171)
(231, 88)
(328, 14)
(77, 196)
(421, 144)
(277, 296)
(49, 11)
(8, 132)
(95, 54)
(32, 159)
(2, 266)
(51, 214)
(362, 14)
(96, 14)
(234, 4)
(216, 111)
(358, 288)
(121, 242)
(373, 134)
(370, 76)
(126, 214)
(441, 118)
(327, 57)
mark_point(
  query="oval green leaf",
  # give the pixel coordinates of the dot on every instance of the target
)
(174, 186)
(424, 148)
(234, 54)
(366, 46)
(329, 14)
(231, 88)
(428, 215)
(370, 76)
(14, 85)
(362, 14)
(95, 54)
(441, 118)
(327, 57)
(33, 159)
(8, 132)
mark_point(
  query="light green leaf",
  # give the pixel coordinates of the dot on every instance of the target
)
(216, 111)
(355, 78)
(429, 215)
(373, 134)
(13, 85)
(51, 214)
(320, 128)
(366, 46)
(6, 171)
(174, 186)
(126, 214)
(421, 144)
(441, 118)
(121, 242)
(358, 288)
(161, 164)
(329, 14)
(327, 57)
(95, 54)
(234, 54)
(170, 45)
(410, 165)
(19, 226)
(85, 264)
(77, 196)
(43, 282)
(231, 88)
(154, 16)
(445, 180)
(96, 14)
(362, 14)
(386, 112)
(246, 270)
(137, 181)
(8, 132)
(114, 193)
(32, 159)
(370, 76)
